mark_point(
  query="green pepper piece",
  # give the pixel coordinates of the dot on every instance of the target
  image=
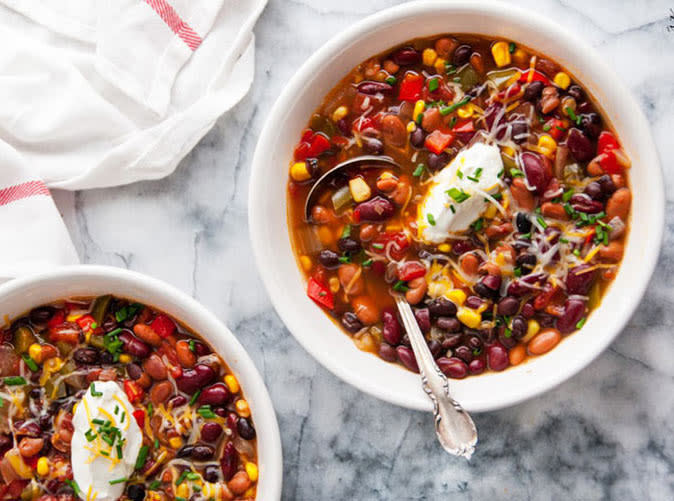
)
(501, 77)
(468, 77)
(23, 338)
(341, 199)
(320, 123)
(100, 308)
(97, 342)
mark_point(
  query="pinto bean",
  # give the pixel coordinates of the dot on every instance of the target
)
(549, 100)
(394, 131)
(499, 231)
(524, 198)
(544, 341)
(186, 356)
(554, 210)
(351, 279)
(477, 63)
(387, 184)
(445, 46)
(161, 392)
(321, 215)
(365, 309)
(391, 67)
(594, 167)
(469, 264)
(144, 381)
(368, 232)
(619, 204)
(29, 447)
(239, 483)
(402, 192)
(517, 354)
(147, 334)
(417, 290)
(432, 119)
(612, 252)
(155, 368)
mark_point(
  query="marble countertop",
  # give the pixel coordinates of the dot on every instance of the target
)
(607, 433)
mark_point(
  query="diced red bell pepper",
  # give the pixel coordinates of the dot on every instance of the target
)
(302, 151)
(307, 135)
(437, 141)
(544, 298)
(87, 323)
(359, 125)
(538, 77)
(410, 270)
(397, 249)
(139, 416)
(340, 141)
(511, 91)
(463, 126)
(606, 142)
(557, 128)
(410, 87)
(319, 144)
(133, 391)
(57, 319)
(163, 326)
(609, 162)
(320, 294)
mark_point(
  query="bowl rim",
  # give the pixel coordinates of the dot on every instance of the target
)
(295, 87)
(270, 454)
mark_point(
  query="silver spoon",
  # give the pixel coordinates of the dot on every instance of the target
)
(454, 427)
(362, 162)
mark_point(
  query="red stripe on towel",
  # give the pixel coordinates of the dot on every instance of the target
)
(23, 190)
(177, 25)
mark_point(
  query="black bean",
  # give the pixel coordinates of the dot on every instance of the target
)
(523, 222)
(107, 358)
(441, 307)
(351, 323)
(452, 340)
(474, 342)
(134, 371)
(423, 318)
(348, 244)
(437, 162)
(593, 189)
(328, 258)
(508, 306)
(519, 130)
(86, 356)
(464, 353)
(449, 324)
(462, 55)
(41, 315)
(575, 92)
(136, 492)
(245, 429)
(202, 452)
(185, 451)
(406, 56)
(607, 185)
(344, 127)
(418, 137)
(211, 473)
(518, 327)
(526, 262)
(591, 124)
(533, 91)
(483, 290)
(373, 146)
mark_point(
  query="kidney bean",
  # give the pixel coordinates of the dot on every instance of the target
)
(453, 367)
(155, 367)
(417, 290)
(492, 282)
(375, 210)
(177, 401)
(186, 356)
(477, 366)
(437, 162)
(583, 203)
(387, 352)
(537, 169)
(449, 324)
(544, 341)
(574, 311)
(528, 311)
(160, 392)
(580, 145)
(370, 88)
(194, 379)
(619, 204)
(216, 395)
(524, 198)
(406, 356)
(533, 91)
(365, 309)
(392, 331)
(147, 334)
(462, 54)
(474, 302)
(229, 460)
(29, 447)
(497, 357)
(87, 356)
(351, 279)
(134, 346)
(211, 431)
(393, 131)
(518, 288)
(578, 282)
(464, 353)
(407, 56)
(423, 319)
(442, 307)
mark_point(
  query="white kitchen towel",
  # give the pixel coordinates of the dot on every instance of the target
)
(100, 93)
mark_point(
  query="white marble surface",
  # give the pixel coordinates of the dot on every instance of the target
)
(608, 433)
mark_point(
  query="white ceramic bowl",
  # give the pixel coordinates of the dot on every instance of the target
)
(20, 295)
(267, 201)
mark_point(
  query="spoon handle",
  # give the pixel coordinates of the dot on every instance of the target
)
(454, 427)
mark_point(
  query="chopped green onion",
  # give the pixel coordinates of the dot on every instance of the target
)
(344, 259)
(581, 322)
(142, 457)
(542, 222)
(546, 127)
(459, 173)
(451, 207)
(453, 107)
(150, 409)
(30, 363)
(452, 122)
(194, 397)
(2, 402)
(367, 262)
(378, 246)
(192, 476)
(567, 195)
(576, 252)
(193, 345)
(74, 486)
(90, 435)
(400, 286)
(154, 485)
(346, 232)
(563, 240)
(477, 225)
(391, 80)
(206, 412)
(516, 172)
(419, 170)
(95, 393)
(431, 219)
(14, 381)
(433, 84)
(457, 195)
(450, 68)
(182, 477)
(517, 271)
(511, 47)
(156, 443)
(118, 481)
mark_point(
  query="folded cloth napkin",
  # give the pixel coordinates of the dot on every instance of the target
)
(98, 93)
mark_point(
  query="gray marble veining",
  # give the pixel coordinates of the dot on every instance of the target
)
(608, 433)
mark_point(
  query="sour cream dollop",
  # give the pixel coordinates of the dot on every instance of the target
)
(454, 200)
(104, 401)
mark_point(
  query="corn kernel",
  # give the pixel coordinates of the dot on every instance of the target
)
(547, 145)
(299, 171)
(250, 493)
(440, 65)
(251, 470)
(339, 113)
(419, 108)
(73, 317)
(428, 56)
(437, 289)
(35, 352)
(501, 53)
(465, 111)
(334, 284)
(360, 190)
(18, 464)
(411, 126)
(175, 442)
(444, 248)
(305, 261)
(490, 213)
(520, 57)
(469, 317)
(42, 466)
(183, 491)
(507, 150)
(125, 359)
(562, 80)
(242, 408)
(532, 329)
(457, 296)
(232, 383)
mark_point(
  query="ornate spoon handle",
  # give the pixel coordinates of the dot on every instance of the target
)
(453, 426)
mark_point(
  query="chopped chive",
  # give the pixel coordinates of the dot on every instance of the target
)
(500, 173)
(367, 262)
(576, 252)
(452, 122)
(206, 412)
(547, 127)
(346, 232)
(477, 225)
(433, 84)
(123, 416)
(74, 486)
(118, 481)
(516, 172)
(400, 286)
(451, 207)
(511, 47)
(150, 409)
(119, 451)
(95, 393)
(431, 219)
(30, 363)
(581, 322)
(192, 476)
(98, 421)
(453, 107)
(378, 246)
(2, 402)
(450, 68)
(572, 114)
(457, 195)
(182, 477)
(391, 80)
(567, 195)
(154, 485)
(344, 259)
(105, 453)
(142, 457)
(560, 128)
(178, 498)
(194, 397)
(14, 381)
(563, 240)
(542, 222)
(419, 170)
(116, 409)
(459, 173)
(90, 435)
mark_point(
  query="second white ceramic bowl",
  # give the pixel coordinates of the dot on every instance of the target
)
(267, 201)
(20, 295)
